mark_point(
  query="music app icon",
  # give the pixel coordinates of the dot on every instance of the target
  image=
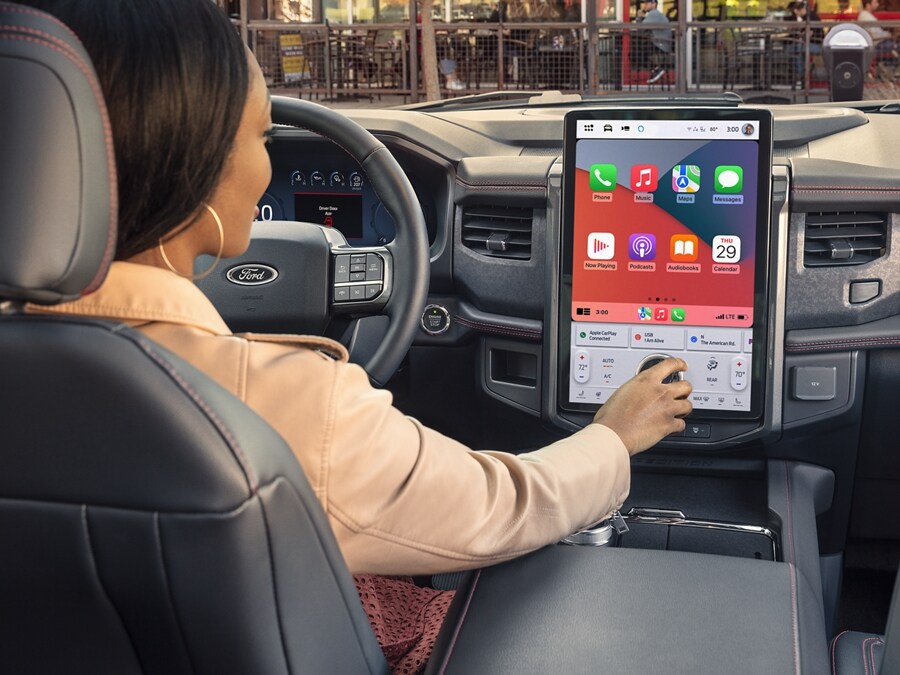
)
(644, 177)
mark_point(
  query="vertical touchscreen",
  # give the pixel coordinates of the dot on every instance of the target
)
(664, 255)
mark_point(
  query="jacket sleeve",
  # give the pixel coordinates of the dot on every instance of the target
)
(404, 499)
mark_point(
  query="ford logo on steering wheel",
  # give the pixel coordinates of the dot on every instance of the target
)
(251, 275)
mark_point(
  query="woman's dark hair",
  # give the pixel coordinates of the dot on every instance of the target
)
(175, 77)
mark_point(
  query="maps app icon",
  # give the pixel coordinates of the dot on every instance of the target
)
(686, 178)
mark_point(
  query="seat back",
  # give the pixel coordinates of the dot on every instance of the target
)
(152, 523)
(890, 662)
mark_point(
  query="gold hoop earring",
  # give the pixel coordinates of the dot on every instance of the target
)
(205, 273)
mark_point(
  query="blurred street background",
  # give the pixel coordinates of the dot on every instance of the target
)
(370, 52)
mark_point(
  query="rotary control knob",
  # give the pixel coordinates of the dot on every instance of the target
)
(652, 360)
(435, 320)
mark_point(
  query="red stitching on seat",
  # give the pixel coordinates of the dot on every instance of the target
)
(875, 642)
(871, 642)
(864, 660)
(20, 9)
(833, 649)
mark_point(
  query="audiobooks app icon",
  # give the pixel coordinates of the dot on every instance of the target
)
(601, 246)
(683, 248)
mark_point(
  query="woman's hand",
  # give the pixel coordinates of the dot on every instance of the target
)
(644, 410)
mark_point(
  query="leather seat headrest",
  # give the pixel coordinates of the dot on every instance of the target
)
(58, 191)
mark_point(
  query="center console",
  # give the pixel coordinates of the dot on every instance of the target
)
(597, 605)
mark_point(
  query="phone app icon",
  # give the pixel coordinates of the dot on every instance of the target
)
(642, 246)
(729, 179)
(686, 178)
(677, 314)
(603, 177)
(601, 245)
(644, 177)
(645, 313)
(683, 247)
(726, 248)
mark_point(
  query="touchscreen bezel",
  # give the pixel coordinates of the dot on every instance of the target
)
(759, 362)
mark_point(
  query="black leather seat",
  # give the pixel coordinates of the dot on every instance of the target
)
(854, 653)
(151, 523)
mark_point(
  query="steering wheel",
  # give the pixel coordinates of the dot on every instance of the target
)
(298, 277)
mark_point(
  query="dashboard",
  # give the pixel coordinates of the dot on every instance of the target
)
(490, 184)
(485, 366)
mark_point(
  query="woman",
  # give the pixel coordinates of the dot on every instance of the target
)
(191, 115)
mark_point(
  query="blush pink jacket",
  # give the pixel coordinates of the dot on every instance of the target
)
(401, 498)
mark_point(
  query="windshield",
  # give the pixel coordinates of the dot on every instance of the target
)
(372, 53)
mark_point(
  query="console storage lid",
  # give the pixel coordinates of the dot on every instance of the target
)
(609, 610)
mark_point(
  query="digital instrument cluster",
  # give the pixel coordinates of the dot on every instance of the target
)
(313, 183)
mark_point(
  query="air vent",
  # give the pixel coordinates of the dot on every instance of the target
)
(834, 239)
(498, 231)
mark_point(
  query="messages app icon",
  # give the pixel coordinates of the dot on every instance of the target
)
(603, 177)
(729, 179)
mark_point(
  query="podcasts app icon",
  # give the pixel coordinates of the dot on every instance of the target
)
(642, 246)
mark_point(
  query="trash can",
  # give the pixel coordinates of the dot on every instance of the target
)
(848, 52)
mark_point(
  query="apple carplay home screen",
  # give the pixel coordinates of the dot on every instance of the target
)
(664, 235)
(647, 239)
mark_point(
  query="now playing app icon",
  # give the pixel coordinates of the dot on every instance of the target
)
(642, 246)
(601, 246)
